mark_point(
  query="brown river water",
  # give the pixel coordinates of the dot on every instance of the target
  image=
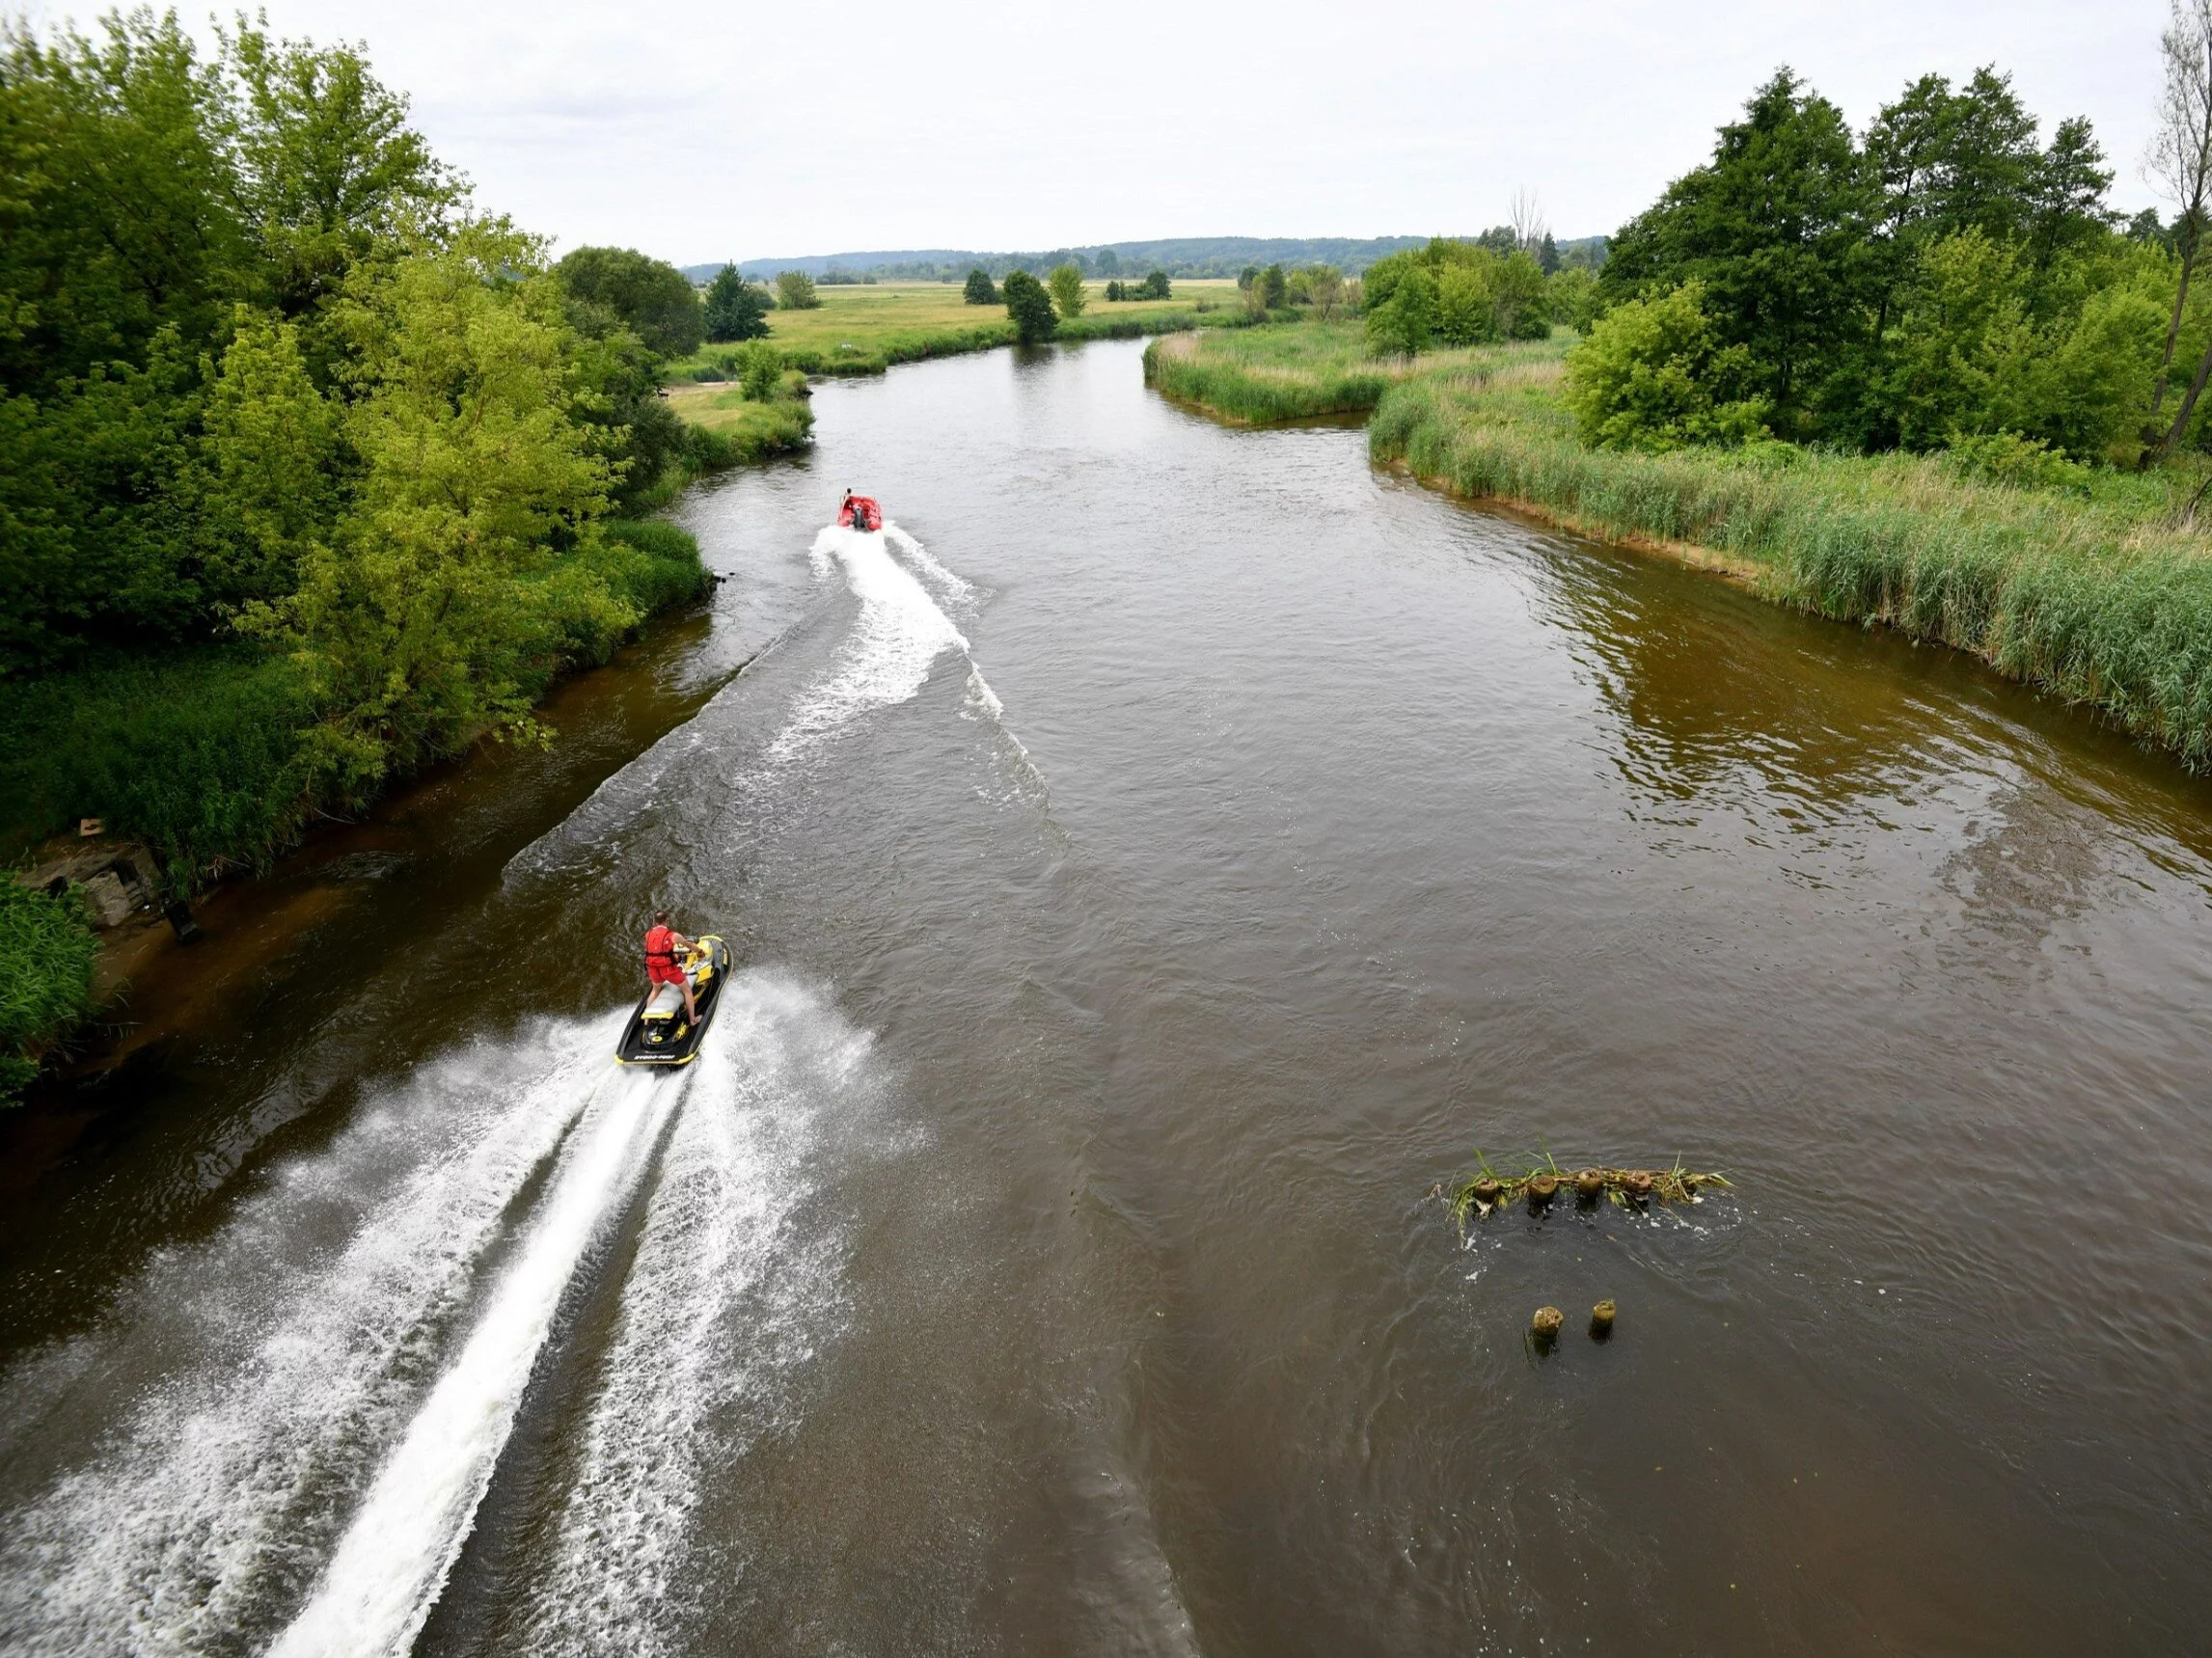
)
(1153, 866)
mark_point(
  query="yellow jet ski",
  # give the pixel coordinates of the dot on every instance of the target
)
(658, 1033)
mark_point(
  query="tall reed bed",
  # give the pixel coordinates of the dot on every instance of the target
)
(2104, 602)
(1291, 371)
(47, 957)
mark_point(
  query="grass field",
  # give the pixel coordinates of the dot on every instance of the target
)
(864, 329)
(755, 431)
(2103, 598)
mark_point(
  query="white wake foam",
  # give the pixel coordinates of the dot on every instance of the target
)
(380, 1585)
(886, 659)
(956, 588)
(732, 1292)
(898, 633)
(286, 1378)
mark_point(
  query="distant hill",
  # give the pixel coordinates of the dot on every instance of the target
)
(1181, 257)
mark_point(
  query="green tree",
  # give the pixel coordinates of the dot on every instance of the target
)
(795, 291)
(415, 625)
(1030, 306)
(268, 480)
(1572, 296)
(1325, 289)
(1520, 298)
(979, 291)
(1066, 283)
(1973, 357)
(734, 309)
(1466, 301)
(617, 379)
(654, 300)
(1404, 321)
(329, 165)
(1777, 231)
(1654, 374)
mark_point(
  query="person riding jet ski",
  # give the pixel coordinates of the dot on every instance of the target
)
(665, 948)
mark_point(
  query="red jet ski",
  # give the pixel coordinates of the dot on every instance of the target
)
(859, 512)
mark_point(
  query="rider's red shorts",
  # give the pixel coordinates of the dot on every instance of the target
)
(664, 974)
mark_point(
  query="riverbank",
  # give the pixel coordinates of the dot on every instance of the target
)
(196, 762)
(866, 329)
(2102, 597)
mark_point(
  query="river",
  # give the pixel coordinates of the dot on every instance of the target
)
(1153, 867)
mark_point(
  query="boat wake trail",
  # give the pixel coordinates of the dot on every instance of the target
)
(284, 1362)
(904, 624)
(384, 1578)
(886, 659)
(735, 1287)
(307, 1480)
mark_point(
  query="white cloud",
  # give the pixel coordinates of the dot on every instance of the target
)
(698, 131)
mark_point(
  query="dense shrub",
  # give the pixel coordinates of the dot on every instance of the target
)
(1402, 317)
(1652, 376)
(195, 752)
(760, 371)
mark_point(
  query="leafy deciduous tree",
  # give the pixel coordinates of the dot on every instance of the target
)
(654, 300)
(1030, 306)
(1066, 283)
(795, 291)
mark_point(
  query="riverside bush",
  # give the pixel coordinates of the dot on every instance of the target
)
(195, 752)
(1652, 374)
(46, 958)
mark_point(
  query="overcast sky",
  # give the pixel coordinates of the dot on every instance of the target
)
(701, 131)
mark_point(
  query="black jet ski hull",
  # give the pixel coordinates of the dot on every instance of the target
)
(672, 1041)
